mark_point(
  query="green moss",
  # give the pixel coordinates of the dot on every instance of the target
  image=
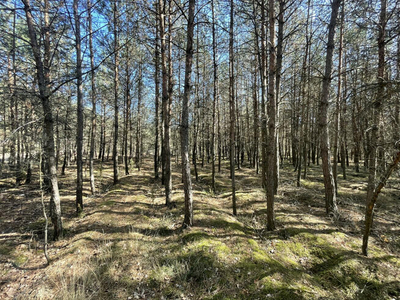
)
(222, 249)
(324, 252)
(20, 259)
(339, 235)
(229, 226)
(311, 238)
(219, 249)
(292, 248)
(253, 244)
(194, 236)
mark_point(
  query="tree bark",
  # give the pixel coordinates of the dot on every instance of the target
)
(43, 77)
(165, 107)
(79, 107)
(157, 93)
(116, 87)
(330, 190)
(373, 190)
(256, 119)
(127, 112)
(139, 120)
(93, 98)
(187, 181)
(215, 96)
(271, 147)
(338, 108)
(232, 108)
(263, 71)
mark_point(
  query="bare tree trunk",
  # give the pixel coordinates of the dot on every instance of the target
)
(104, 129)
(343, 109)
(372, 201)
(330, 190)
(396, 132)
(58, 141)
(93, 98)
(338, 108)
(271, 147)
(116, 86)
(373, 190)
(256, 118)
(66, 138)
(79, 106)
(43, 76)
(139, 120)
(279, 61)
(127, 113)
(187, 181)
(157, 93)
(307, 136)
(356, 137)
(219, 137)
(232, 108)
(302, 157)
(263, 71)
(165, 107)
(215, 96)
(13, 98)
(3, 157)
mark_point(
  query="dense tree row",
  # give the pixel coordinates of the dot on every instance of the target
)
(261, 83)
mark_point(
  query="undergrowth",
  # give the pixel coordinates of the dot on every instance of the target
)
(128, 245)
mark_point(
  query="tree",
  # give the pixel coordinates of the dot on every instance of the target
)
(232, 107)
(157, 92)
(187, 181)
(42, 65)
(79, 105)
(330, 190)
(139, 118)
(372, 189)
(271, 147)
(165, 107)
(215, 95)
(93, 98)
(116, 90)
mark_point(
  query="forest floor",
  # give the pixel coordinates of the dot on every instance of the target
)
(128, 245)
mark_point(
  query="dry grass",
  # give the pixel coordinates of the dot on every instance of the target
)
(128, 245)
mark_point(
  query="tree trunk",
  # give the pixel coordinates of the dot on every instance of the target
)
(271, 147)
(373, 190)
(263, 71)
(116, 86)
(215, 96)
(371, 202)
(127, 112)
(139, 121)
(232, 108)
(187, 181)
(165, 107)
(79, 107)
(93, 98)
(256, 119)
(396, 125)
(43, 77)
(330, 190)
(279, 62)
(339, 102)
(157, 94)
